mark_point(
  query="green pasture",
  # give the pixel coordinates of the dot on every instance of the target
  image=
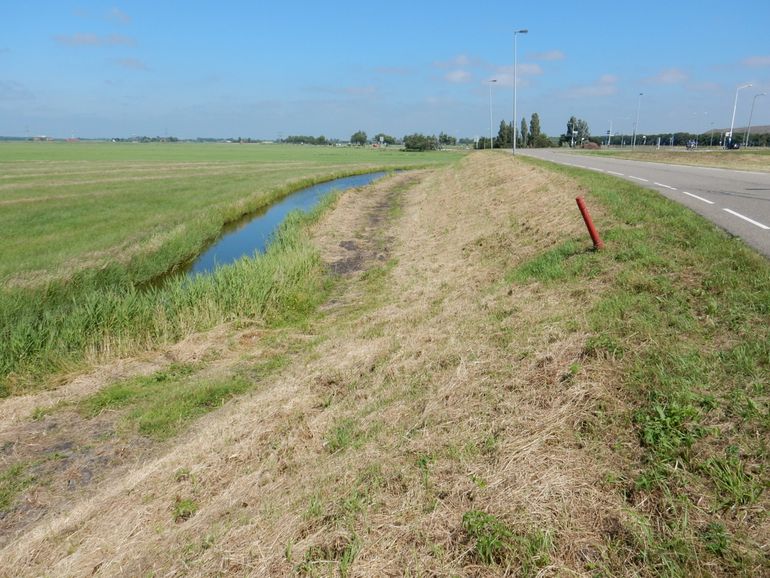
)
(69, 207)
(83, 225)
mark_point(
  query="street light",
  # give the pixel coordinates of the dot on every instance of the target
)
(490, 112)
(753, 102)
(735, 105)
(636, 125)
(513, 124)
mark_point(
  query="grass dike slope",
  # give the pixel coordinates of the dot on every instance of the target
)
(481, 394)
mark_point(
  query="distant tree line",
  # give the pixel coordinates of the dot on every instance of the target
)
(705, 139)
(578, 133)
(310, 140)
(528, 136)
(385, 139)
(147, 139)
(419, 142)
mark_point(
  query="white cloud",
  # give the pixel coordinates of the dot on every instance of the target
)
(607, 79)
(606, 85)
(529, 69)
(458, 76)
(756, 61)
(459, 61)
(549, 55)
(117, 15)
(669, 76)
(524, 71)
(705, 87)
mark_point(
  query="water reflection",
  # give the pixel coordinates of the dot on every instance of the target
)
(252, 233)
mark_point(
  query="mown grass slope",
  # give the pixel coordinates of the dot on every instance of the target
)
(482, 394)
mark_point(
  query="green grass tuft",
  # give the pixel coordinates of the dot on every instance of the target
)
(13, 481)
(184, 509)
(568, 260)
(345, 433)
(162, 404)
(496, 544)
(736, 487)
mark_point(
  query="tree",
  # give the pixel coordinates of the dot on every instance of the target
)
(577, 131)
(503, 135)
(420, 142)
(445, 139)
(582, 129)
(303, 139)
(386, 139)
(523, 136)
(358, 138)
(482, 143)
(534, 128)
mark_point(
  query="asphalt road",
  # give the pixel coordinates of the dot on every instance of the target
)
(736, 201)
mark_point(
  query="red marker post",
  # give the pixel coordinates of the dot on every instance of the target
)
(589, 223)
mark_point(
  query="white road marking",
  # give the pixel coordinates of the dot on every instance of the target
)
(699, 198)
(665, 186)
(745, 218)
(638, 178)
(614, 173)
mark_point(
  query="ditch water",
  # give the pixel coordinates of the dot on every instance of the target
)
(252, 233)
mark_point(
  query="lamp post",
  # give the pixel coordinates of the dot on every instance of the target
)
(753, 102)
(491, 82)
(636, 124)
(513, 124)
(735, 105)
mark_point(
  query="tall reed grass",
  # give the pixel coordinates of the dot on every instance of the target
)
(98, 314)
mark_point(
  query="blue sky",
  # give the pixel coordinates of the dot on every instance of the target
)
(266, 69)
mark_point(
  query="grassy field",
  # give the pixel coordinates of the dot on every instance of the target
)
(478, 393)
(83, 224)
(69, 207)
(753, 159)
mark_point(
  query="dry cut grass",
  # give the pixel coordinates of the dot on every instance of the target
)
(746, 160)
(434, 427)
